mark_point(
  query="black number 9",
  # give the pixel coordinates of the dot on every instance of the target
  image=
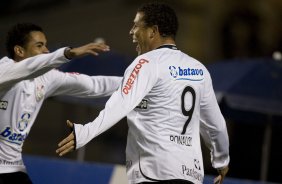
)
(188, 113)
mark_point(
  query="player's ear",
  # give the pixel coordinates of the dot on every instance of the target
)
(19, 51)
(154, 30)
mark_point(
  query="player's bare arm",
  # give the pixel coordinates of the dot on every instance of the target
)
(68, 144)
(222, 173)
(91, 48)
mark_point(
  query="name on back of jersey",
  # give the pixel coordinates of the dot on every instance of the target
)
(181, 140)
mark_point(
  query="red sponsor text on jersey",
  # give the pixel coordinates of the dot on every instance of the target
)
(133, 76)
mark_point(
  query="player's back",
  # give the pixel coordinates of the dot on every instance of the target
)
(166, 123)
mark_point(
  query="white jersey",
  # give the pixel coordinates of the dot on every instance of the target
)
(24, 100)
(165, 95)
(12, 72)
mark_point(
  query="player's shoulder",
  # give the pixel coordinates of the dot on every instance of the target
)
(151, 56)
(6, 60)
(196, 62)
(198, 66)
(141, 59)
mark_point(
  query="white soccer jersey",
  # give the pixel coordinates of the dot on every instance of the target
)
(165, 94)
(12, 72)
(24, 100)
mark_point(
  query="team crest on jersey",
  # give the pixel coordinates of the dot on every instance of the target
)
(192, 74)
(39, 93)
(3, 105)
(23, 122)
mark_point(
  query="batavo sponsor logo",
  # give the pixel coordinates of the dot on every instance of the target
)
(192, 74)
(8, 135)
(130, 81)
(3, 105)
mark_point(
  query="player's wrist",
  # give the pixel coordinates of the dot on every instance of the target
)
(68, 53)
(222, 170)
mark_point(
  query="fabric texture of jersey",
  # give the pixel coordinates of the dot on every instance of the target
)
(24, 100)
(168, 99)
(12, 72)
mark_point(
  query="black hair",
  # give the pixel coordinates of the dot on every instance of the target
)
(162, 15)
(19, 35)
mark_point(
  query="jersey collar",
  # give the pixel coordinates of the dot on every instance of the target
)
(168, 46)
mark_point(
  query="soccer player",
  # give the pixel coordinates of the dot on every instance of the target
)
(169, 100)
(13, 71)
(21, 102)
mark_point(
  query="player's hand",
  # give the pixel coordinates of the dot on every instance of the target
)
(91, 48)
(68, 144)
(222, 172)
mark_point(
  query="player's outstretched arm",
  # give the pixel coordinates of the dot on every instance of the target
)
(91, 48)
(222, 173)
(68, 144)
(32, 67)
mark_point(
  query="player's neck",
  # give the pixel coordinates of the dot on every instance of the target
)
(164, 41)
